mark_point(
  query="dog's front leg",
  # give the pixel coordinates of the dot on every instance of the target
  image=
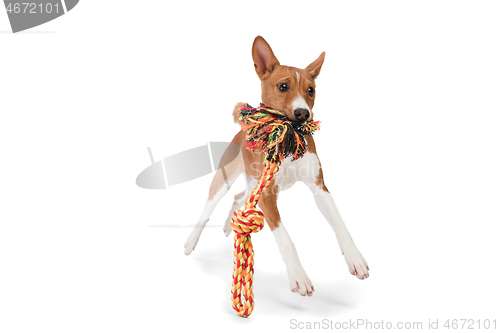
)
(356, 263)
(299, 282)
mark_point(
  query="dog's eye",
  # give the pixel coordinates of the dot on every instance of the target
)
(283, 87)
(310, 91)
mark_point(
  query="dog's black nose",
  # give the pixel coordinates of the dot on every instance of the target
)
(301, 115)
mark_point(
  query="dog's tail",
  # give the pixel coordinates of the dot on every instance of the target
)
(236, 112)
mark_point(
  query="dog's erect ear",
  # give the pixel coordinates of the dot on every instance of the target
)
(263, 57)
(315, 67)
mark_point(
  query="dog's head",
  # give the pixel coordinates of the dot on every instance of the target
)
(289, 89)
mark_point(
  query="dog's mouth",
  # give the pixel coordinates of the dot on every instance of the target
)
(291, 117)
(299, 122)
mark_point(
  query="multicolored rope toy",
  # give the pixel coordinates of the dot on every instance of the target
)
(269, 131)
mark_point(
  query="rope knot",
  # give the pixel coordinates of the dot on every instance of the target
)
(244, 222)
(247, 221)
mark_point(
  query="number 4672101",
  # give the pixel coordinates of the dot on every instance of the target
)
(32, 8)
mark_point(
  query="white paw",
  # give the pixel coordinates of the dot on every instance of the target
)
(300, 283)
(191, 242)
(227, 226)
(356, 263)
(227, 230)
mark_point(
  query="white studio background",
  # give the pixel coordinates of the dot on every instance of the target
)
(408, 98)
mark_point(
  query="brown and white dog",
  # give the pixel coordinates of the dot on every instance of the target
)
(291, 90)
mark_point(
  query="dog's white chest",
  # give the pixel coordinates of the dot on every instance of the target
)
(305, 169)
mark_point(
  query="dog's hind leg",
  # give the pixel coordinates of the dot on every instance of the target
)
(239, 201)
(221, 183)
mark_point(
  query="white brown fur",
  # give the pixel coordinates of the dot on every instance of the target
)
(307, 170)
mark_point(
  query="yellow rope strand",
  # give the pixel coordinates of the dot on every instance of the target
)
(244, 222)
